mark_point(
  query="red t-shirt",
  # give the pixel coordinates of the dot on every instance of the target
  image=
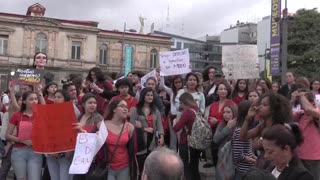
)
(215, 113)
(15, 119)
(48, 101)
(186, 120)
(131, 101)
(237, 99)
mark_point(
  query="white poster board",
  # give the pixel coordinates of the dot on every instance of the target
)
(87, 146)
(153, 73)
(174, 62)
(240, 62)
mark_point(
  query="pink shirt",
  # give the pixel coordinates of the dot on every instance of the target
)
(310, 148)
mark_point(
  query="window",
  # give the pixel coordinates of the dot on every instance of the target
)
(75, 50)
(103, 54)
(41, 43)
(179, 45)
(153, 58)
(4, 44)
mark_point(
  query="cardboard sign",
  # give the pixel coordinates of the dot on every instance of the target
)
(240, 62)
(25, 130)
(88, 145)
(52, 130)
(174, 62)
(28, 76)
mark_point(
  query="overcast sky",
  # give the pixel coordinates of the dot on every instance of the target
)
(195, 18)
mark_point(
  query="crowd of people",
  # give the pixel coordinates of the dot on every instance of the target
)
(260, 129)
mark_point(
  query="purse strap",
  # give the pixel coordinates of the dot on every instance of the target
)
(117, 144)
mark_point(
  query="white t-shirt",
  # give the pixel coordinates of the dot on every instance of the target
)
(5, 99)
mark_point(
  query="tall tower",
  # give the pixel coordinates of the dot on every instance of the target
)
(168, 18)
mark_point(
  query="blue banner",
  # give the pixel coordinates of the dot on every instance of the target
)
(128, 60)
(275, 44)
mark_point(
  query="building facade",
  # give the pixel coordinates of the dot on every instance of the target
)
(202, 53)
(71, 46)
(241, 33)
(263, 40)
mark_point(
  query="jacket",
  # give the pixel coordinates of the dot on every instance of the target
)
(295, 171)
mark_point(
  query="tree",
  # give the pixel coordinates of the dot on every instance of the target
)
(304, 43)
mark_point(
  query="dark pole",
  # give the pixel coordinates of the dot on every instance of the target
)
(284, 48)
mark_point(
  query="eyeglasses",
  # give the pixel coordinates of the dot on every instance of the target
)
(123, 106)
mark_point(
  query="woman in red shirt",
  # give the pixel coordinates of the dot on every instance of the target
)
(49, 91)
(216, 114)
(124, 87)
(240, 91)
(121, 158)
(26, 163)
(184, 124)
(102, 89)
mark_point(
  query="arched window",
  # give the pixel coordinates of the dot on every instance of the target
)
(153, 58)
(103, 54)
(41, 43)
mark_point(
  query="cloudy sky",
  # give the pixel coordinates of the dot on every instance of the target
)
(192, 18)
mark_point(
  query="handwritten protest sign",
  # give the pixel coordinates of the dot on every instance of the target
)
(52, 130)
(25, 130)
(28, 76)
(240, 62)
(318, 99)
(174, 62)
(153, 73)
(88, 145)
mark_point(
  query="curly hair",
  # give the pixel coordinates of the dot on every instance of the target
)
(205, 73)
(279, 107)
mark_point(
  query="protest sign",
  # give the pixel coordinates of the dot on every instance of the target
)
(174, 62)
(240, 62)
(153, 73)
(52, 130)
(318, 99)
(28, 76)
(88, 145)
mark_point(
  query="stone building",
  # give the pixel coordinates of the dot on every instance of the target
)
(71, 46)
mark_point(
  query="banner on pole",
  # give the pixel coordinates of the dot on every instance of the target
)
(275, 42)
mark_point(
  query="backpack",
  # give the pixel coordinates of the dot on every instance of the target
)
(225, 167)
(201, 133)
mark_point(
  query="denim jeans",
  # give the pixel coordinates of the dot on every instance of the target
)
(27, 165)
(59, 168)
(122, 174)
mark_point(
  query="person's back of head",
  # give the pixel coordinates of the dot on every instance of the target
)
(163, 163)
(258, 174)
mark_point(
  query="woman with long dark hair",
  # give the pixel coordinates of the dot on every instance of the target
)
(147, 120)
(280, 143)
(26, 163)
(49, 91)
(240, 91)
(176, 85)
(120, 142)
(102, 89)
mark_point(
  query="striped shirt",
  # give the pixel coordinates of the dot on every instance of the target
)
(241, 150)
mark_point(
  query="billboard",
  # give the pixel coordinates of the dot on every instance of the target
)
(275, 42)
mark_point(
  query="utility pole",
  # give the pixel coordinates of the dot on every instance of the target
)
(284, 48)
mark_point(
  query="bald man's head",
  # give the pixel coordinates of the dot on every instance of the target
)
(163, 163)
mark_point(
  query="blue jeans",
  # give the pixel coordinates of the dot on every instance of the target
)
(122, 174)
(59, 168)
(27, 165)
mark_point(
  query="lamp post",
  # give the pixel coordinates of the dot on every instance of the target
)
(123, 44)
(284, 48)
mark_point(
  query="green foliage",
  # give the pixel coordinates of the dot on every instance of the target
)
(304, 43)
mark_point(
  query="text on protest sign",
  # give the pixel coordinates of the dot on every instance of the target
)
(28, 76)
(174, 62)
(240, 62)
(52, 130)
(88, 145)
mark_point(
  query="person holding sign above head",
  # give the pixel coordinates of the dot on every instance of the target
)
(120, 142)
(58, 164)
(149, 130)
(26, 164)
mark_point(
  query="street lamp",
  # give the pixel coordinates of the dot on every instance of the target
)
(123, 43)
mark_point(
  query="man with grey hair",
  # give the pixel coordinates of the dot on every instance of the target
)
(163, 163)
